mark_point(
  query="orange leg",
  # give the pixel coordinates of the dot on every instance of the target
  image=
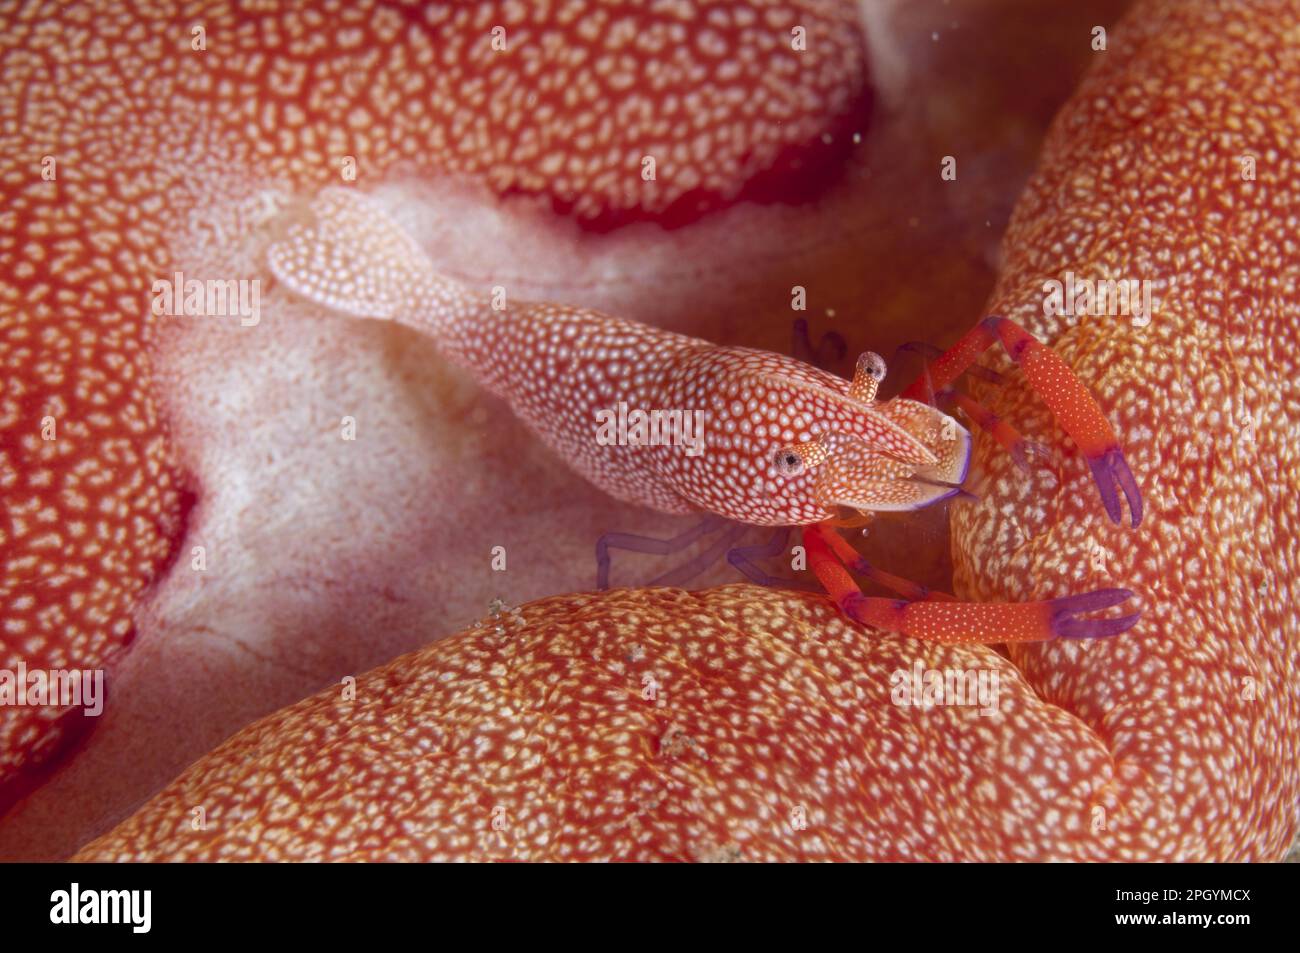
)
(952, 622)
(1065, 395)
(1001, 431)
(846, 554)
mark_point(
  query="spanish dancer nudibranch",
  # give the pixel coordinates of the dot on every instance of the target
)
(643, 723)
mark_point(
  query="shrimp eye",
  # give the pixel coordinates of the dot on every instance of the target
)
(788, 462)
(867, 376)
(872, 364)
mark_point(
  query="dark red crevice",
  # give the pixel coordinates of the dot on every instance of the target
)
(69, 733)
(800, 173)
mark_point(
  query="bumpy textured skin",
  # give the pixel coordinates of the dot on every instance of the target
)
(1149, 746)
(1210, 778)
(562, 367)
(1141, 177)
(735, 723)
(150, 137)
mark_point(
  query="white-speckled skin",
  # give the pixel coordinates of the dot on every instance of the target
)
(560, 367)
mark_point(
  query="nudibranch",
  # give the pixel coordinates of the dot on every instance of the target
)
(736, 723)
(138, 138)
(1175, 163)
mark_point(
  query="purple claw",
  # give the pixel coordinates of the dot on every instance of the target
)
(1066, 626)
(800, 344)
(1108, 470)
(829, 351)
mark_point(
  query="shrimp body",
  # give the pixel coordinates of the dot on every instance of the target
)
(770, 440)
(652, 417)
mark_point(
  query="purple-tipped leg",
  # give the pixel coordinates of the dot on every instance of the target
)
(1111, 470)
(1066, 625)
